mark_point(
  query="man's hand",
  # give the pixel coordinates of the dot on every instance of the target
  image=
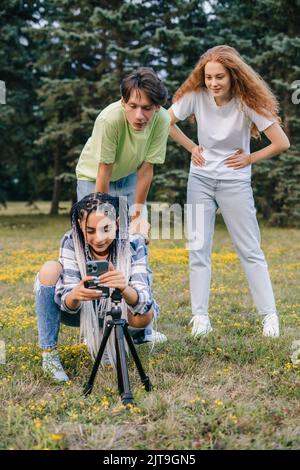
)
(140, 225)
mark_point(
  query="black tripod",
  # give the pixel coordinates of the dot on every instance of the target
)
(120, 327)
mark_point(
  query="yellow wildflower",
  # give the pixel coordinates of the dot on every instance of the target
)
(57, 437)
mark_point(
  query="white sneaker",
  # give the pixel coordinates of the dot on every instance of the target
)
(271, 325)
(105, 359)
(155, 337)
(52, 365)
(201, 325)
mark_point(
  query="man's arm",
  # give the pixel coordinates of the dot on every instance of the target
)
(143, 183)
(103, 177)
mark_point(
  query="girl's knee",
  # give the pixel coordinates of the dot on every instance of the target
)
(140, 321)
(50, 273)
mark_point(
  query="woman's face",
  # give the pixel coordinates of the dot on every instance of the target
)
(99, 230)
(217, 81)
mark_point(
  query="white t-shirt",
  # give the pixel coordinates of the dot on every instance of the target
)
(222, 130)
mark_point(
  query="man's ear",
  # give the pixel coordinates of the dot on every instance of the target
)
(123, 102)
(157, 108)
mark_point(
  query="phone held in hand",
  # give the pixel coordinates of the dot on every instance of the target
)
(95, 268)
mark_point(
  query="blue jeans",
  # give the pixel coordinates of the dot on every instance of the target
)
(235, 200)
(49, 315)
(122, 187)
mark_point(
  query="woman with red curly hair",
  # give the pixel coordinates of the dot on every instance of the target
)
(231, 103)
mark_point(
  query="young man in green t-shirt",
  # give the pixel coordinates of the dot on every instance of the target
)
(129, 137)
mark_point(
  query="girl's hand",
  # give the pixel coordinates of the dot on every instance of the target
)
(113, 278)
(238, 160)
(197, 157)
(80, 292)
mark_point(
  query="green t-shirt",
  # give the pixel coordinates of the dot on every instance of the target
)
(114, 141)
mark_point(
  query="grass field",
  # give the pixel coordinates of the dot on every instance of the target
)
(231, 390)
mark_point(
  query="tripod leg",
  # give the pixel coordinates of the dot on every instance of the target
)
(144, 378)
(123, 377)
(118, 366)
(90, 383)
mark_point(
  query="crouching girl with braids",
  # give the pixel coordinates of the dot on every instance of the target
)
(99, 232)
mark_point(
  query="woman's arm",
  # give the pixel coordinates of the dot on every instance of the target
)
(183, 140)
(178, 135)
(279, 143)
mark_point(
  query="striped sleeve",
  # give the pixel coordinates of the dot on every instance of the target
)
(70, 275)
(139, 278)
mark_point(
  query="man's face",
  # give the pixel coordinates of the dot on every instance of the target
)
(139, 109)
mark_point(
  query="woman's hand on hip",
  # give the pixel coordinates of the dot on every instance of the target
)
(238, 160)
(197, 157)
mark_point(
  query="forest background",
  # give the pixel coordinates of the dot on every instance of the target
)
(62, 62)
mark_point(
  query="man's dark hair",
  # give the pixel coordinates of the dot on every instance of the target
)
(145, 79)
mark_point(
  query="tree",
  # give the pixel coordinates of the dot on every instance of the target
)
(18, 119)
(81, 65)
(63, 61)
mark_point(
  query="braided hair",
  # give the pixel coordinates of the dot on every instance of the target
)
(95, 202)
(119, 254)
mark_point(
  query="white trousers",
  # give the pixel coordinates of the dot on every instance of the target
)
(235, 200)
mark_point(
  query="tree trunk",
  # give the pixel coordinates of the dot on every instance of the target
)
(57, 184)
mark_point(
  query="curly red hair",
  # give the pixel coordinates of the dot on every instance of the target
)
(246, 84)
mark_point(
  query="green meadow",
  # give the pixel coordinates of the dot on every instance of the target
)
(233, 389)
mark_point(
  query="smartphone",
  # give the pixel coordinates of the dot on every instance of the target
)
(95, 269)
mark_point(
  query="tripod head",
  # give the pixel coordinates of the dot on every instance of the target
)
(116, 297)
